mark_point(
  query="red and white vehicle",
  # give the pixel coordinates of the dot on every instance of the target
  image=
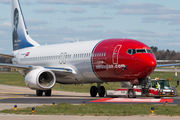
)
(154, 88)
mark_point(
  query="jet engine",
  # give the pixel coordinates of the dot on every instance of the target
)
(40, 79)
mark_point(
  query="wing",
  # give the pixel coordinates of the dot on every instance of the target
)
(6, 55)
(167, 65)
(63, 71)
(14, 66)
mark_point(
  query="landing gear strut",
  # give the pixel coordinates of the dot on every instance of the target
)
(40, 92)
(99, 89)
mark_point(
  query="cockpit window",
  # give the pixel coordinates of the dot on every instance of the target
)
(141, 51)
(129, 51)
(134, 51)
(149, 51)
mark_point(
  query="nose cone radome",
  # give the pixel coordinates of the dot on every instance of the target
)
(147, 64)
(152, 60)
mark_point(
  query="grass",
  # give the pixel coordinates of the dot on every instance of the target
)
(16, 79)
(12, 78)
(99, 110)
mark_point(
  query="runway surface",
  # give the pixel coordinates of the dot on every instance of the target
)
(24, 95)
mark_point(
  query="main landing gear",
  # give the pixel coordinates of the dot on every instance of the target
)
(99, 89)
(40, 92)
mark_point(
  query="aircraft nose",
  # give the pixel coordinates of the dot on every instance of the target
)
(150, 60)
(146, 64)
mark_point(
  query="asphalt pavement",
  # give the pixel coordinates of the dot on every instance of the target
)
(24, 97)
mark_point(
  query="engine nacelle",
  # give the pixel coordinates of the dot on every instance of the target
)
(40, 79)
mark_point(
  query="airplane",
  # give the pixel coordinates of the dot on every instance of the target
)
(86, 62)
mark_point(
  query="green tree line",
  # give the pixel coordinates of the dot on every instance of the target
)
(165, 54)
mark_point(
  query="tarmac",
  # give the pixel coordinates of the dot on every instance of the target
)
(72, 117)
(7, 92)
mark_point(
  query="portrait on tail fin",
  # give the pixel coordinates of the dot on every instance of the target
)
(15, 34)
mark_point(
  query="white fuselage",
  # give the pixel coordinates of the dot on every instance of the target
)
(75, 56)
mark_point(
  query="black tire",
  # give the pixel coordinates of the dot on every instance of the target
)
(93, 91)
(157, 97)
(39, 92)
(48, 92)
(131, 94)
(175, 90)
(102, 91)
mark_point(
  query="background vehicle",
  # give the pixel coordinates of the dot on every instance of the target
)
(154, 88)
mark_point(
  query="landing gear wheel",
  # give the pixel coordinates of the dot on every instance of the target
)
(48, 92)
(157, 97)
(102, 91)
(39, 92)
(131, 94)
(93, 91)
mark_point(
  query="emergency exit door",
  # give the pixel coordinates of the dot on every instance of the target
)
(116, 54)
